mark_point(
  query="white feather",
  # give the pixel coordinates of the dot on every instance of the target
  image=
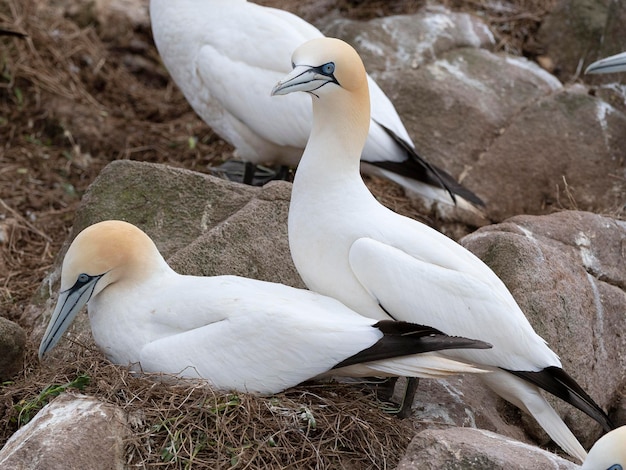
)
(348, 246)
(225, 56)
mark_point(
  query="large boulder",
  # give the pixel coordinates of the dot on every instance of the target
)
(507, 129)
(566, 272)
(466, 448)
(578, 32)
(71, 433)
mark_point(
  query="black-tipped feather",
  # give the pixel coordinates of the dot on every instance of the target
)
(404, 338)
(417, 168)
(557, 382)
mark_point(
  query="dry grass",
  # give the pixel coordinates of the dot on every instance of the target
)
(190, 426)
(73, 98)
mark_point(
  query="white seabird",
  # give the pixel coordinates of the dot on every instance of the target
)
(224, 54)
(614, 63)
(609, 452)
(348, 246)
(237, 333)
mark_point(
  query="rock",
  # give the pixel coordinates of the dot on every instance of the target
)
(409, 41)
(503, 126)
(201, 224)
(578, 32)
(12, 345)
(566, 272)
(466, 448)
(561, 151)
(72, 433)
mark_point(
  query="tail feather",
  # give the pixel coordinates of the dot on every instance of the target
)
(527, 396)
(557, 382)
(417, 167)
(427, 365)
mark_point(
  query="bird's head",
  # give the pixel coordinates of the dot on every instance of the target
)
(321, 66)
(101, 255)
(609, 452)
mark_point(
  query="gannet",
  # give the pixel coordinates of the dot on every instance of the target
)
(609, 452)
(224, 54)
(382, 265)
(237, 333)
(614, 63)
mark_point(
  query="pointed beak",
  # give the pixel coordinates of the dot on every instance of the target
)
(68, 305)
(615, 63)
(301, 78)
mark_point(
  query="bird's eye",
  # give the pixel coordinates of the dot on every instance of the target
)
(82, 278)
(328, 68)
(615, 467)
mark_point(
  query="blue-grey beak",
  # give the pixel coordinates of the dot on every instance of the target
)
(68, 305)
(614, 63)
(302, 78)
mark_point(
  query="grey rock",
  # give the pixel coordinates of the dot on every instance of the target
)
(566, 150)
(566, 272)
(70, 433)
(466, 448)
(409, 41)
(12, 345)
(578, 32)
(504, 127)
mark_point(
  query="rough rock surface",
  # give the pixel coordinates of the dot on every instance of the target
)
(566, 272)
(72, 433)
(466, 448)
(578, 32)
(510, 131)
(12, 344)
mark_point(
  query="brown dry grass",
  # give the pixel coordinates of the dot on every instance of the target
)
(191, 426)
(74, 97)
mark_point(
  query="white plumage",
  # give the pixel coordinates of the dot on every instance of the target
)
(609, 452)
(225, 54)
(238, 333)
(348, 246)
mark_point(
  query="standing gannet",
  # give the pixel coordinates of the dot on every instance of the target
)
(383, 265)
(237, 333)
(609, 452)
(225, 54)
(614, 63)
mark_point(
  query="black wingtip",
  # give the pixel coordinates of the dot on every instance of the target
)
(404, 339)
(418, 168)
(556, 381)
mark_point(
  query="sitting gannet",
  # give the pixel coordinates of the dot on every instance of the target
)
(382, 265)
(224, 54)
(614, 63)
(609, 452)
(237, 333)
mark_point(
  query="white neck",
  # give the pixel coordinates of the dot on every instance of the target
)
(340, 127)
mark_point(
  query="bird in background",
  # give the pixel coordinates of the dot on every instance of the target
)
(346, 245)
(609, 452)
(225, 54)
(237, 333)
(614, 63)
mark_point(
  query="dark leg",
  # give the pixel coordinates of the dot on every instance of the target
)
(248, 173)
(412, 383)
